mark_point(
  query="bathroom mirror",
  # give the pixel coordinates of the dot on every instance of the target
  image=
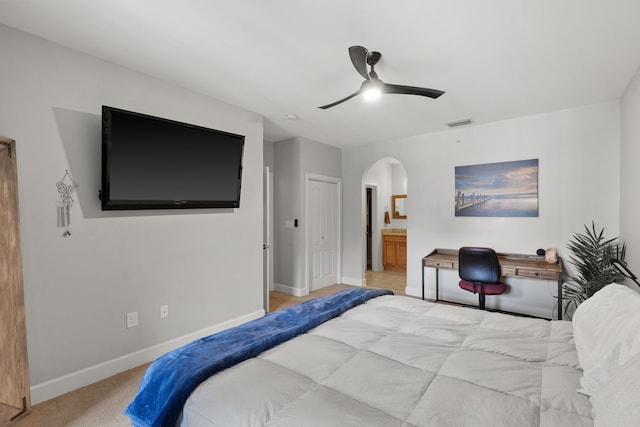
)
(398, 208)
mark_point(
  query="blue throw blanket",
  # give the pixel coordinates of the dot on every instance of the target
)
(169, 381)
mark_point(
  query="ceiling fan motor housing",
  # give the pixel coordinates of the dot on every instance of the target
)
(373, 58)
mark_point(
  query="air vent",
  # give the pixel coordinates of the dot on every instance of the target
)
(457, 123)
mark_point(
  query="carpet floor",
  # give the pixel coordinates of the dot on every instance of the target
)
(98, 404)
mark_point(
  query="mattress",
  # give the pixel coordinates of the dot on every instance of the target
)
(400, 361)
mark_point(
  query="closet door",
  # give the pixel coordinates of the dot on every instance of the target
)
(15, 399)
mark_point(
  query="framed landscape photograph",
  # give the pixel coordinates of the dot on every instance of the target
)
(506, 189)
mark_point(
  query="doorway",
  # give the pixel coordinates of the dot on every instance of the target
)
(371, 218)
(381, 181)
(368, 229)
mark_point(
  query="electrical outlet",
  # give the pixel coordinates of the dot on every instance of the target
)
(164, 311)
(132, 319)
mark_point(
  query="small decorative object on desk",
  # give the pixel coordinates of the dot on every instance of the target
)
(551, 255)
(66, 201)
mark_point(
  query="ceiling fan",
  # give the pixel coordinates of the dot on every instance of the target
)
(372, 86)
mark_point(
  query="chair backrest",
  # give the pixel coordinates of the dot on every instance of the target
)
(477, 264)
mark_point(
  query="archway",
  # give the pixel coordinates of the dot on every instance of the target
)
(382, 180)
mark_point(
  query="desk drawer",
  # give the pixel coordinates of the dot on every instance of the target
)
(536, 274)
(441, 264)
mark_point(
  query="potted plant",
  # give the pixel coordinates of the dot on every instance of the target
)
(591, 255)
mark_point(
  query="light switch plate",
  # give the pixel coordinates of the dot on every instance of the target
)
(132, 319)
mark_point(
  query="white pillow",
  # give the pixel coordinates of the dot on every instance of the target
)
(606, 329)
(616, 403)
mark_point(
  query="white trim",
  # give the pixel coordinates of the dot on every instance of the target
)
(267, 256)
(290, 290)
(307, 229)
(66, 383)
(416, 291)
(353, 281)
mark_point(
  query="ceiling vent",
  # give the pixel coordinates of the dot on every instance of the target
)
(457, 123)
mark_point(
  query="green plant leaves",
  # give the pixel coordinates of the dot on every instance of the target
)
(591, 255)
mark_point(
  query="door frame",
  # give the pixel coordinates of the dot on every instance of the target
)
(267, 246)
(308, 177)
(375, 229)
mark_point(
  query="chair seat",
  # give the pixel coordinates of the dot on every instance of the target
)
(488, 288)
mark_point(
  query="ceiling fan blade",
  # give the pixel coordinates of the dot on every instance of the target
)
(411, 90)
(333, 104)
(358, 55)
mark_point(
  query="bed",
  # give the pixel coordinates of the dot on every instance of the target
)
(367, 358)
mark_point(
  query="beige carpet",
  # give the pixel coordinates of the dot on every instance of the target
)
(99, 404)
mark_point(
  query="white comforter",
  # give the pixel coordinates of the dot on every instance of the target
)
(398, 361)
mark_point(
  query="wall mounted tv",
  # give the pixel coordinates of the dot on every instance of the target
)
(154, 163)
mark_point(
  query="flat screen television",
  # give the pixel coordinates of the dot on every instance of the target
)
(154, 163)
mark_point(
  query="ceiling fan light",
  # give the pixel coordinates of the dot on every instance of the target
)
(372, 93)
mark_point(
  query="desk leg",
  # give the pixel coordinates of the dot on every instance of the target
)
(560, 304)
(422, 262)
(437, 282)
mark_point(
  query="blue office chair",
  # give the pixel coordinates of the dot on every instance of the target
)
(479, 271)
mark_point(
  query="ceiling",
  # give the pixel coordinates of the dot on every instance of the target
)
(496, 59)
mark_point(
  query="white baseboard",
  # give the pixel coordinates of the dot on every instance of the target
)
(290, 290)
(415, 292)
(352, 281)
(61, 385)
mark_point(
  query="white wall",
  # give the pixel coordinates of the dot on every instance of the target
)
(205, 264)
(398, 186)
(579, 156)
(630, 173)
(399, 179)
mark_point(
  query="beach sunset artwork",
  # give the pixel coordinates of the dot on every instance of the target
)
(506, 189)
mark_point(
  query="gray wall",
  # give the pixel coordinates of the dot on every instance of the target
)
(293, 159)
(630, 173)
(287, 207)
(268, 159)
(205, 264)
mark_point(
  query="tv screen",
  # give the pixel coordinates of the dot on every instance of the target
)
(154, 163)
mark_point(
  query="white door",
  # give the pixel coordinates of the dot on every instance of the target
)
(323, 216)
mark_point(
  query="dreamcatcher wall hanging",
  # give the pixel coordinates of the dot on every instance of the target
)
(66, 201)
